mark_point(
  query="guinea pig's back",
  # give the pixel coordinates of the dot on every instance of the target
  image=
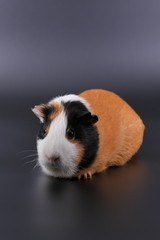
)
(120, 128)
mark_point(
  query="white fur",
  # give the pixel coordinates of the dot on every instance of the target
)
(71, 98)
(55, 143)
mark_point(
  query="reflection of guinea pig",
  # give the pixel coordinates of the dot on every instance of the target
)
(84, 134)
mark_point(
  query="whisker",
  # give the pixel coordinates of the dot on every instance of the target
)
(32, 155)
(27, 151)
(30, 161)
(36, 165)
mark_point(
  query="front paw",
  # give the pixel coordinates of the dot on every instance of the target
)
(86, 175)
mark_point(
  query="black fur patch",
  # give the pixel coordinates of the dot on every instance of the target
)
(80, 119)
(47, 111)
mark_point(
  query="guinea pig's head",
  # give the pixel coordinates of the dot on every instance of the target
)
(68, 139)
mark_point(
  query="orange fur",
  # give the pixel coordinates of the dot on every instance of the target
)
(80, 150)
(38, 110)
(120, 130)
(57, 110)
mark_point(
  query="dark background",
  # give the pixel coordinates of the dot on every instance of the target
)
(49, 48)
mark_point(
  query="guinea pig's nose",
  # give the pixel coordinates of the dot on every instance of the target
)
(54, 159)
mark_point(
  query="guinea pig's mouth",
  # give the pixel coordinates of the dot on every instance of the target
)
(51, 165)
(58, 169)
(52, 168)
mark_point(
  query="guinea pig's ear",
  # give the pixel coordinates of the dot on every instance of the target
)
(39, 111)
(88, 118)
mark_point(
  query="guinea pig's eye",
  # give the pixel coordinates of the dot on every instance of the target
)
(70, 133)
(44, 133)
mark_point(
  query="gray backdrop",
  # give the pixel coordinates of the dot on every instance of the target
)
(62, 46)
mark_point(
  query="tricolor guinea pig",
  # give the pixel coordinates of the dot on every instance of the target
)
(85, 134)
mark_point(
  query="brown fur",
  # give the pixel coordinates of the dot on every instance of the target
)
(39, 110)
(120, 130)
(58, 109)
(80, 150)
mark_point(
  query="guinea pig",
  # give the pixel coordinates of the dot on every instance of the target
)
(84, 134)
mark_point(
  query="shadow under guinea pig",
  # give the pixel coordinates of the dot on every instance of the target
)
(114, 183)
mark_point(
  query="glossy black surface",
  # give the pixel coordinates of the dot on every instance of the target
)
(119, 203)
